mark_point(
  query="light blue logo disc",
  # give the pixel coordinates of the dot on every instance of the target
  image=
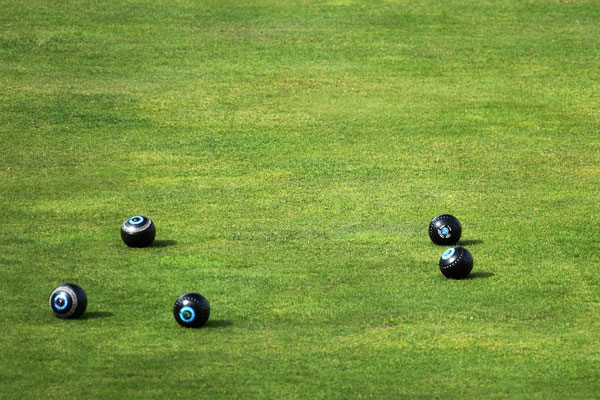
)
(65, 301)
(137, 220)
(445, 231)
(448, 253)
(187, 314)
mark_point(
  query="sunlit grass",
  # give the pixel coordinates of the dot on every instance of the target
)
(291, 155)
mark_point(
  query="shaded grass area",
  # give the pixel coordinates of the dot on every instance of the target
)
(291, 155)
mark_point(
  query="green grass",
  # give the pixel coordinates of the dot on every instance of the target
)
(291, 155)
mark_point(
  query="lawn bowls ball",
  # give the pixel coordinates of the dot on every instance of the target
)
(138, 231)
(191, 310)
(445, 230)
(456, 263)
(68, 301)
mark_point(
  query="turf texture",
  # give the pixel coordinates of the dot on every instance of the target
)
(292, 154)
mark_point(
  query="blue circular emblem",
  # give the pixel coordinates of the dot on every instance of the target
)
(448, 253)
(61, 301)
(187, 314)
(445, 231)
(137, 220)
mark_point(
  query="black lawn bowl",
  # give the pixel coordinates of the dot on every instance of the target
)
(191, 310)
(68, 301)
(456, 263)
(445, 230)
(138, 231)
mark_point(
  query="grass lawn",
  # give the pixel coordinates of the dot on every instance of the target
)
(291, 155)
